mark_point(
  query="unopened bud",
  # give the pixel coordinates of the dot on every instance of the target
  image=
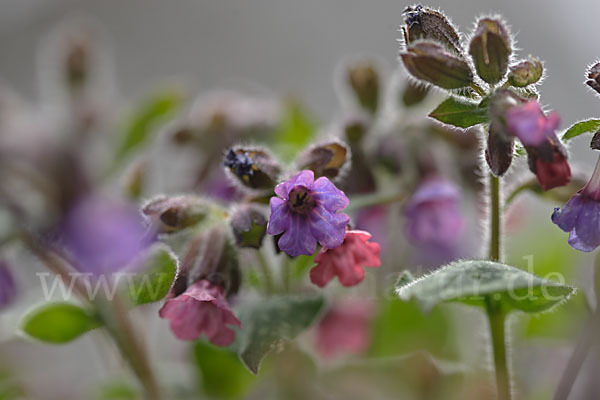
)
(425, 23)
(490, 49)
(364, 80)
(499, 152)
(173, 214)
(77, 64)
(431, 62)
(595, 143)
(8, 288)
(249, 226)
(253, 168)
(526, 72)
(499, 104)
(413, 94)
(355, 129)
(593, 77)
(327, 159)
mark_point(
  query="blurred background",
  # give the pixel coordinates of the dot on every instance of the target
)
(296, 48)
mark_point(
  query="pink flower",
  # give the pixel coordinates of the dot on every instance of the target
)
(202, 308)
(528, 123)
(344, 329)
(346, 261)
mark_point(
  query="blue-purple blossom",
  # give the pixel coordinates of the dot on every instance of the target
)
(433, 215)
(307, 211)
(581, 215)
(8, 287)
(102, 235)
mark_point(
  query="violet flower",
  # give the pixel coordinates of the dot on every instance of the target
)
(433, 215)
(8, 287)
(529, 124)
(103, 235)
(346, 261)
(307, 211)
(581, 215)
(201, 309)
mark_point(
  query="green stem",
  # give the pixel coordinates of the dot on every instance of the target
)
(495, 219)
(497, 320)
(374, 199)
(494, 309)
(266, 272)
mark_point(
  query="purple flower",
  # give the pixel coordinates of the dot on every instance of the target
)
(8, 287)
(102, 235)
(529, 124)
(433, 215)
(581, 215)
(306, 210)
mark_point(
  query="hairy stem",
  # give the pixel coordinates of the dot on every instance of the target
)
(266, 272)
(495, 219)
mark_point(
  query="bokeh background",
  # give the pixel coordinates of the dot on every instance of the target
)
(295, 48)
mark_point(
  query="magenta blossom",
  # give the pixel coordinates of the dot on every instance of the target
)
(346, 261)
(529, 124)
(307, 211)
(433, 215)
(8, 288)
(103, 235)
(345, 329)
(202, 308)
(581, 215)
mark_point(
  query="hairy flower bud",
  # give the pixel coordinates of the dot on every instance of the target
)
(355, 129)
(595, 143)
(431, 62)
(364, 80)
(593, 77)
(499, 152)
(425, 23)
(77, 62)
(327, 159)
(254, 168)
(249, 226)
(490, 49)
(526, 72)
(173, 214)
(413, 94)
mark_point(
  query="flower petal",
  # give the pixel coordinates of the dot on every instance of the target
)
(298, 239)
(304, 178)
(566, 218)
(328, 196)
(328, 228)
(587, 227)
(279, 219)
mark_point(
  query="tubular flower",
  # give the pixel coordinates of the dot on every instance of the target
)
(548, 162)
(433, 214)
(202, 308)
(346, 261)
(581, 215)
(307, 211)
(529, 124)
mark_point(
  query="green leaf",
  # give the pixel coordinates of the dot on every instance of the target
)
(295, 131)
(461, 114)
(58, 322)
(222, 374)
(470, 281)
(154, 282)
(590, 125)
(148, 115)
(267, 323)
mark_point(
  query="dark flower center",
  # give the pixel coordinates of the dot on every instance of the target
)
(301, 200)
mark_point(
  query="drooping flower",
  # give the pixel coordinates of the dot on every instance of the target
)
(581, 215)
(346, 261)
(307, 211)
(549, 163)
(8, 287)
(344, 329)
(433, 215)
(201, 309)
(103, 235)
(529, 123)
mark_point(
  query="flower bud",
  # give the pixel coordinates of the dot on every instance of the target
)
(425, 23)
(526, 72)
(327, 159)
(77, 60)
(355, 129)
(364, 80)
(8, 288)
(173, 214)
(500, 103)
(249, 226)
(593, 76)
(253, 168)
(431, 62)
(490, 49)
(499, 152)
(413, 94)
(595, 143)
(548, 162)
